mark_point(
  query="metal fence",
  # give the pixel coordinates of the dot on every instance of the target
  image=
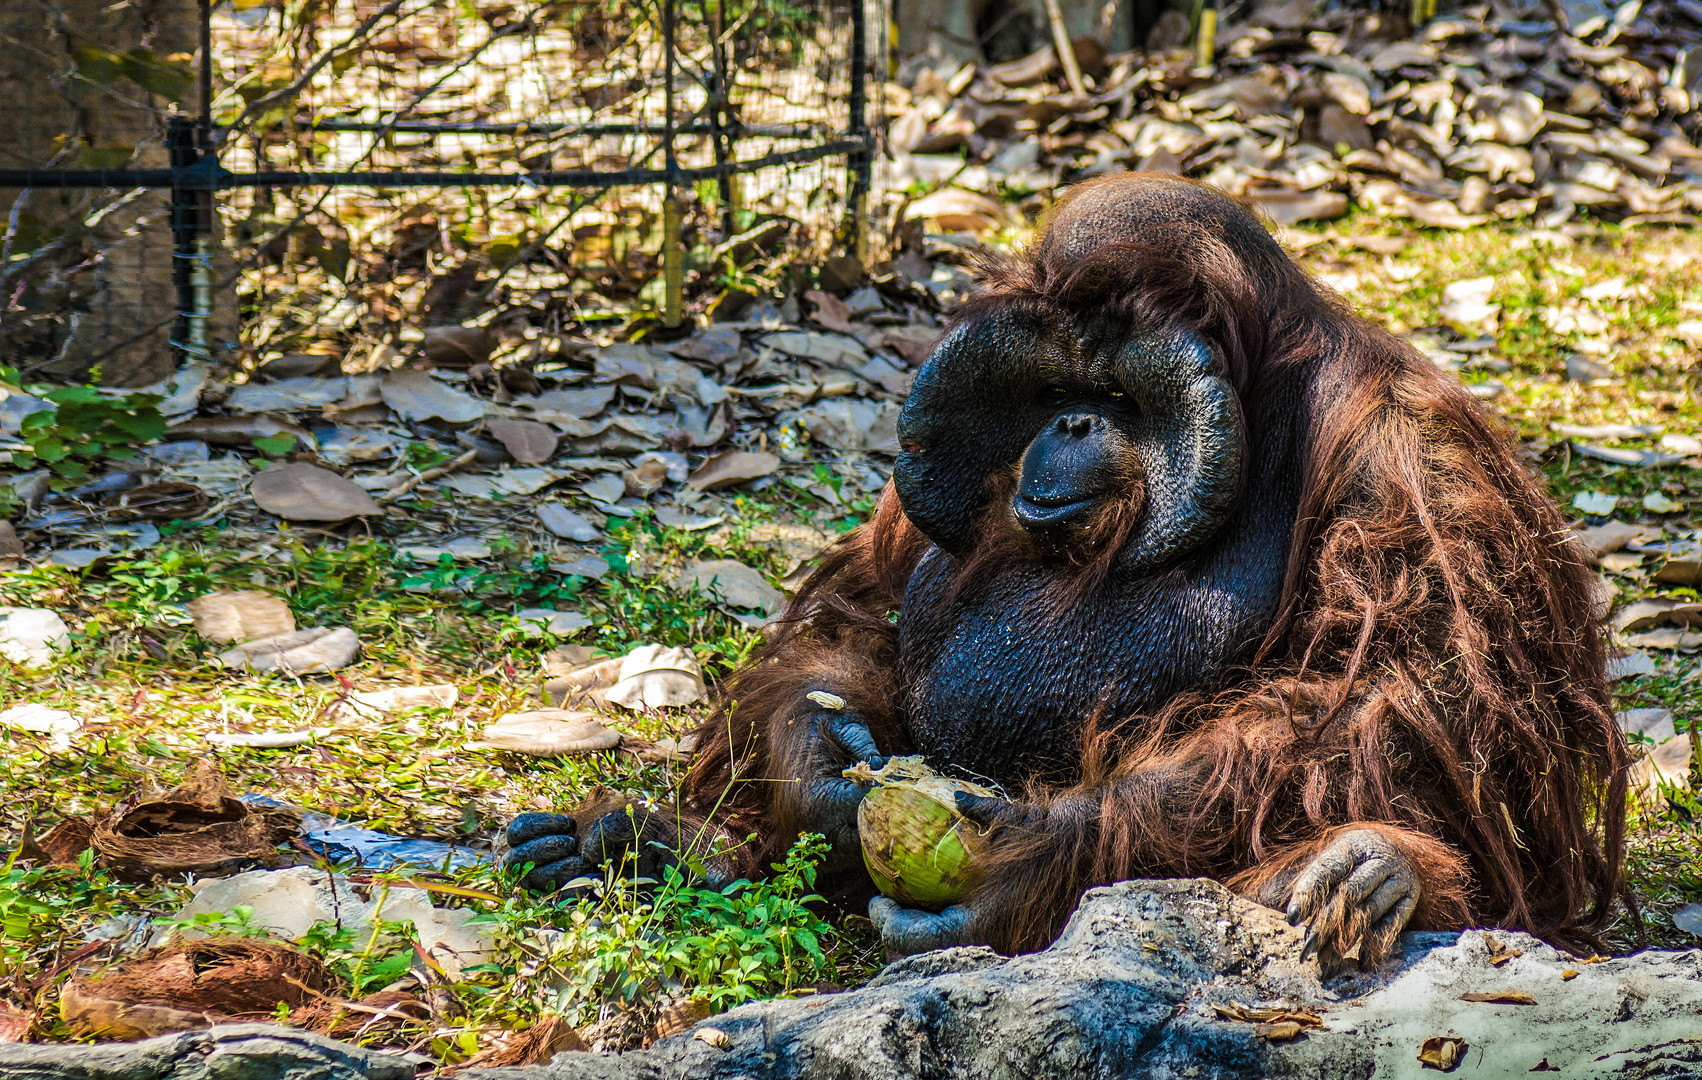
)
(356, 169)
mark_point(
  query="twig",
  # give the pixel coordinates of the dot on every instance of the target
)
(1066, 51)
(259, 105)
(430, 474)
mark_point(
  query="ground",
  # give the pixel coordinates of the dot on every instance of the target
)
(1627, 299)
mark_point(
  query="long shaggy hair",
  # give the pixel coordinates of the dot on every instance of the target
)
(1434, 671)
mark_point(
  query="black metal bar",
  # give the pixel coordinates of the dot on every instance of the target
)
(195, 175)
(457, 127)
(858, 163)
(720, 94)
(670, 163)
(181, 134)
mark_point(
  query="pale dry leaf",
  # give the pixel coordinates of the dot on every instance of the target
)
(526, 441)
(226, 616)
(304, 652)
(297, 491)
(550, 733)
(732, 467)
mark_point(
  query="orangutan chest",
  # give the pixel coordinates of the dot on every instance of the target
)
(1002, 686)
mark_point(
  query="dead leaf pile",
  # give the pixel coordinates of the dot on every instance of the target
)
(1481, 114)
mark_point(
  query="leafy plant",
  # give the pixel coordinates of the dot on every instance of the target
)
(745, 941)
(86, 426)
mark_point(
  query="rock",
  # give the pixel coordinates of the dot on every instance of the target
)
(304, 652)
(1127, 991)
(256, 1051)
(733, 583)
(289, 902)
(226, 616)
(29, 636)
(57, 724)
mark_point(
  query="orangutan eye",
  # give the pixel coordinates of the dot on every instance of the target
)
(1118, 393)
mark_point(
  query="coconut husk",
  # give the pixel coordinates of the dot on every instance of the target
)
(546, 1038)
(189, 985)
(917, 847)
(386, 1010)
(198, 826)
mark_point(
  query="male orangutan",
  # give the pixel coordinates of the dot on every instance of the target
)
(1216, 579)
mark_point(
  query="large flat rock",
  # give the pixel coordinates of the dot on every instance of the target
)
(1127, 991)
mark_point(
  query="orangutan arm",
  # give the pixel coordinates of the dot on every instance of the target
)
(1355, 885)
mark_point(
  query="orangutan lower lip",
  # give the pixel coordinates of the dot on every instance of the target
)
(1042, 513)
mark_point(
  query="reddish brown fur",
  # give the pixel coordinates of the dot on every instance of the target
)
(1435, 670)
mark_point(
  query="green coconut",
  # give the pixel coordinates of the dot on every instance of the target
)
(919, 850)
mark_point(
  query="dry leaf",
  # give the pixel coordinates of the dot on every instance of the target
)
(1499, 951)
(1441, 1052)
(1280, 1031)
(733, 583)
(302, 652)
(14, 1022)
(550, 733)
(297, 491)
(957, 210)
(657, 676)
(715, 1037)
(157, 502)
(732, 467)
(238, 430)
(526, 441)
(415, 395)
(1500, 997)
(226, 616)
(457, 347)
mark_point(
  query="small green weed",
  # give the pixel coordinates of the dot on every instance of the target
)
(85, 426)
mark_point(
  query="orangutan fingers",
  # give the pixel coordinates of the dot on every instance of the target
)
(1317, 882)
(527, 827)
(851, 736)
(552, 876)
(1396, 887)
(540, 852)
(984, 810)
(905, 931)
(609, 838)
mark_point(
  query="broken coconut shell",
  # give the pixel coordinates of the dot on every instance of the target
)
(198, 826)
(919, 850)
(190, 985)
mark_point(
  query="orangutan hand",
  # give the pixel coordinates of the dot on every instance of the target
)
(830, 805)
(1355, 898)
(906, 931)
(553, 846)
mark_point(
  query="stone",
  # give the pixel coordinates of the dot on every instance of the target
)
(288, 903)
(1128, 990)
(30, 636)
(226, 616)
(257, 1051)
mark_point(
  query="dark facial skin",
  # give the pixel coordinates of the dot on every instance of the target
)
(1080, 458)
(999, 681)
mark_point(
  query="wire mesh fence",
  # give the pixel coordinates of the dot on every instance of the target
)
(386, 165)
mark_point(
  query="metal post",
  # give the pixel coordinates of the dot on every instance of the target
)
(720, 92)
(673, 269)
(192, 212)
(859, 163)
